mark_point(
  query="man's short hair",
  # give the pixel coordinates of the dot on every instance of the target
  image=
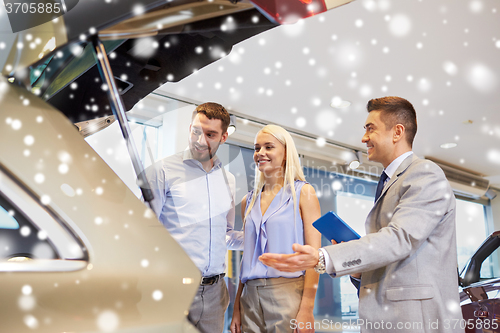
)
(214, 111)
(396, 110)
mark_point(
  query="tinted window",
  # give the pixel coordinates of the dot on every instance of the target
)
(7, 221)
(488, 266)
(19, 238)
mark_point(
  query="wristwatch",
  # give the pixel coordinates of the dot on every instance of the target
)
(320, 268)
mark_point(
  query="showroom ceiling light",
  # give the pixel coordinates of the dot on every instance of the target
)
(448, 145)
(357, 161)
(339, 103)
(232, 125)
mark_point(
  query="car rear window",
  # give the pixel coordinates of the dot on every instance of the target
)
(19, 238)
(7, 221)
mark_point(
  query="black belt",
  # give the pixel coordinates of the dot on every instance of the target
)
(206, 281)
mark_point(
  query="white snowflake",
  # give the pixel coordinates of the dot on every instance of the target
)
(337, 185)
(39, 178)
(63, 168)
(320, 142)
(365, 91)
(482, 78)
(424, 85)
(493, 156)
(26, 289)
(450, 68)
(370, 5)
(138, 9)
(45, 199)
(25, 231)
(16, 124)
(316, 101)
(108, 321)
(300, 122)
(400, 25)
(476, 6)
(31, 321)
(157, 295)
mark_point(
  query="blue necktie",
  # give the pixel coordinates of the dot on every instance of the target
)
(380, 185)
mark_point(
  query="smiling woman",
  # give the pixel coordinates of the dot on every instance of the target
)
(276, 214)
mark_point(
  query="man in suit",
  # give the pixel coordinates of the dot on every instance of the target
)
(408, 258)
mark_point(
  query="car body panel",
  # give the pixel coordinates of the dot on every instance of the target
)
(482, 316)
(154, 22)
(132, 259)
(480, 298)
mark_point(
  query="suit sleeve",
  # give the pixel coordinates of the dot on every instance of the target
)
(424, 199)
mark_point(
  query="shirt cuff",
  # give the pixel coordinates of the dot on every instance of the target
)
(328, 263)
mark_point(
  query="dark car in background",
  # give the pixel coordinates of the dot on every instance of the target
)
(480, 295)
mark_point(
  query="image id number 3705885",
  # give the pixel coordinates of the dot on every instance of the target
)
(471, 324)
(33, 7)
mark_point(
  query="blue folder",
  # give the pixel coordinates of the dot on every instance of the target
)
(332, 227)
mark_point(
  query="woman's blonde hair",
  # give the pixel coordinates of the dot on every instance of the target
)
(293, 170)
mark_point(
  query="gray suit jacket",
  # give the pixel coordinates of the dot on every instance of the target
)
(409, 256)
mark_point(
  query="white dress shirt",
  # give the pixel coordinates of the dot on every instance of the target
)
(197, 208)
(390, 170)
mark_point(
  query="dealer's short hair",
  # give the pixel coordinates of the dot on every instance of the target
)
(396, 110)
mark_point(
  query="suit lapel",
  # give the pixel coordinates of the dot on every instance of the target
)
(400, 170)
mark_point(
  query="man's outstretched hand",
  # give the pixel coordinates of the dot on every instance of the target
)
(305, 257)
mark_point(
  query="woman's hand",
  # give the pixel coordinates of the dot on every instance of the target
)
(305, 322)
(235, 326)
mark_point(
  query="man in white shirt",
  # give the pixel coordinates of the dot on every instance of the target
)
(194, 200)
(408, 259)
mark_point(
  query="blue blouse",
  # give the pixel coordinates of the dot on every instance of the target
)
(275, 232)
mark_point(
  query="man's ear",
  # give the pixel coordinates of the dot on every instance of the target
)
(224, 137)
(398, 133)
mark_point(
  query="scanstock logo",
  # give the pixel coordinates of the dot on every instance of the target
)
(26, 14)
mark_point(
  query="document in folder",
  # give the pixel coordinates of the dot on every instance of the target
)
(332, 227)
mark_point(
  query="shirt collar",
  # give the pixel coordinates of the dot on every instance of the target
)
(391, 168)
(188, 156)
